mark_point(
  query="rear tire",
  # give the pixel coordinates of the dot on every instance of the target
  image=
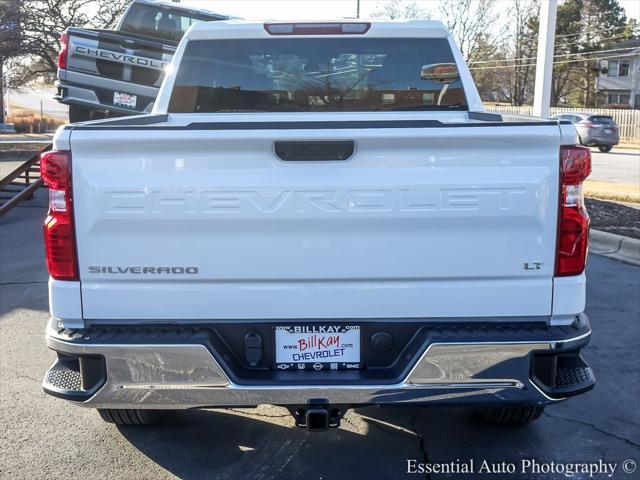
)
(79, 114)
(130, 416)
(605, 148)
(511, 414)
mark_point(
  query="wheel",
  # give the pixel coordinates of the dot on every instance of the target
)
(511, 414)
(605, 148)
(79, 114)
(130, 416)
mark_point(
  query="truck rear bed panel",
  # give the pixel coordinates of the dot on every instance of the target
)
(419, 222)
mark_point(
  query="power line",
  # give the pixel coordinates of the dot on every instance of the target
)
(584, 32)
(555, 63)
(566, 44)
(555, 56)
(622, 35)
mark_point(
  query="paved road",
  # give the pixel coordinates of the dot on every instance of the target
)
(43, 437)
(30, 98)
(620, 165)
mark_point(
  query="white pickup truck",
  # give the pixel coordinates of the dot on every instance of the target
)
(318, 216)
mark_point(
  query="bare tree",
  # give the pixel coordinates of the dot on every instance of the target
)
(42, 22)
(469, 21)
(522, 32)
(488, 79)
(10, 43)
(399, 10)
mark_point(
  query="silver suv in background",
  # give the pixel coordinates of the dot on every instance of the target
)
(594, 130)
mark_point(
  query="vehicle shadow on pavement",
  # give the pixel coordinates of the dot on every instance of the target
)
(264, 443)
(24, 297)
(371, 443)
(23, 275)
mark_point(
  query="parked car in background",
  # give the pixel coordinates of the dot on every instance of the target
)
(118, 72)
(594, 130)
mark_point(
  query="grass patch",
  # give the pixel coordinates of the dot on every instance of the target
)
(621, 192)
(28, 121)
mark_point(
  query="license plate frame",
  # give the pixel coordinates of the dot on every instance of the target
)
(125, 99)
(317, 347)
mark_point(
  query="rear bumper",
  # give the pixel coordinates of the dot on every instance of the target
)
(590, 140)
(505, 364)
(100, 98)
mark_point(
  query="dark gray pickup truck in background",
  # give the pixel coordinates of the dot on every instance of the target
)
(118, 72)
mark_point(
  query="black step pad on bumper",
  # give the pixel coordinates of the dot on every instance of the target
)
(75, 377)
(562, 375)
(64, 377)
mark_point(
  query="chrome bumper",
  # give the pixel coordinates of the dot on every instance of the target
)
(87, 98)
(182, 376)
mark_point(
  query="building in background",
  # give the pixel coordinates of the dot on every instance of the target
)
(618, 83)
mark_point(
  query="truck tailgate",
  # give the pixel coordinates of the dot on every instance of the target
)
(117, 55)
(195, 224)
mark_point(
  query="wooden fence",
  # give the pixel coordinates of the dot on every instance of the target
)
(627, 120)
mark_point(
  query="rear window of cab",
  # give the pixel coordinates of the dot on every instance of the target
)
(317, 75)
(154, 21)
(601, 119)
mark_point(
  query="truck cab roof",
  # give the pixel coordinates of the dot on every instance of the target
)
(241, 28)
(181, 8)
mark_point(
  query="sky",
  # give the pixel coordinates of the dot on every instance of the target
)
(326, 9)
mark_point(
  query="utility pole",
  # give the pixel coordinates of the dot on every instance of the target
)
(544, 63)
(357, 8)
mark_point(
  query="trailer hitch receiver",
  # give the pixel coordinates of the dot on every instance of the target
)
(318, 415)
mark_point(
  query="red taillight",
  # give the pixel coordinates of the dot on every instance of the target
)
(59, 234)
(333, 28)
(54, 169)
(575, 164)
(573, 224)
(62, 55)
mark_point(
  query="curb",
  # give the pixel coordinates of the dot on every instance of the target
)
(617, 247)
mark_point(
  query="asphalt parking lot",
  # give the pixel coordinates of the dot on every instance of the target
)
(42, 437)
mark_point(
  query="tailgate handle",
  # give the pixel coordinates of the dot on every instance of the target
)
(314, 150)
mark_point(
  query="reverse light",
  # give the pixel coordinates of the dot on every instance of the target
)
(573, 221)
(62, 55)
(58, 228)
(333, 28)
